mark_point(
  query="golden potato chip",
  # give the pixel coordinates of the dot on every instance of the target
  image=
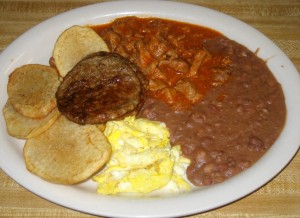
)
(73, 45)
(67, 153)
(23, 127)
(101, 126)
(31, 90)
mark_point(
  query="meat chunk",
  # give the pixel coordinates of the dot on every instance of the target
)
(103, 86)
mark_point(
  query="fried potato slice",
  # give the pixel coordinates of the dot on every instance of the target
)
(67, 153)
(31, 89)
(101, 126)
(23, 127)
(73, 45)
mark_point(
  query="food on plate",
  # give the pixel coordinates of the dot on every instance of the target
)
(67, 153)
(142, 160)
(73, 45)
(210, 95)
(171, 55)
(23, 127)
(219, 100)
(103, 86)
(31, 90)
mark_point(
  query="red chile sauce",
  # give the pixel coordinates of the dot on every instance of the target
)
(218, 99)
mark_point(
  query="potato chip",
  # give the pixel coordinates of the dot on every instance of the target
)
(23, 127)
(67, 153)
(101, 126)
(31, 90)
(73, 45)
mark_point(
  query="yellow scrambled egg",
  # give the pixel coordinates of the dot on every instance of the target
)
(142, 159)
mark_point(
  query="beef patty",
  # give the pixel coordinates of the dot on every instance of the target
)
(103, 86)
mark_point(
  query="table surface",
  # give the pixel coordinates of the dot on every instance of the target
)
(277, 19)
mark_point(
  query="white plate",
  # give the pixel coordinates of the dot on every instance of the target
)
(35, 46)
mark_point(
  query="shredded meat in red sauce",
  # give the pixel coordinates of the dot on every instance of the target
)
(171, 55)
(220, 101)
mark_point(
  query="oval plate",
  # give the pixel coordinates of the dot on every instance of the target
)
(36, 45)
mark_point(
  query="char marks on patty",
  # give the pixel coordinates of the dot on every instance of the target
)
(103, 86)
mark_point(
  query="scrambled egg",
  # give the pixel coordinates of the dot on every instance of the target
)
(142, 159)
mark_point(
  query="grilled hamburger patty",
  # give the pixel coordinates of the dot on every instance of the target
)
(103, 86)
